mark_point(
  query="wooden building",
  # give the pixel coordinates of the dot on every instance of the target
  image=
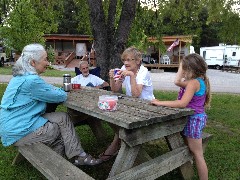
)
(168, 59)
(71, 48)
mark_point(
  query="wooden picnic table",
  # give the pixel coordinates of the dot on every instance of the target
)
(139, 123)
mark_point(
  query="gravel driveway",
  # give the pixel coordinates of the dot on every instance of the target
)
(224, 82)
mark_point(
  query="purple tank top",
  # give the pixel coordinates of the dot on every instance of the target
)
(198, 100)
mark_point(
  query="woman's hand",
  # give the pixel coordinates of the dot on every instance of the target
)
(111, 73)
(126, 73)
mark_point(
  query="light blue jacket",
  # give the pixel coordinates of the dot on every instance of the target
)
(23, 104)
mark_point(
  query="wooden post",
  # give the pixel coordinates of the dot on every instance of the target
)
(179, 51)
(159, 57)
(174, 141)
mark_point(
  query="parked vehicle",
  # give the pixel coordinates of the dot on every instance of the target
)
(232, 55)
(2, 56)
(222, 55)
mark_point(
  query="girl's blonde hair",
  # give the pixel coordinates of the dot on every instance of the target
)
(195, 65)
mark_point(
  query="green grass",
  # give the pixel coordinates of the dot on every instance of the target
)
(222, 153)
(7, 70)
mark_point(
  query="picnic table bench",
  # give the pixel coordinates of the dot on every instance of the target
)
(139, 123)
(49, 163)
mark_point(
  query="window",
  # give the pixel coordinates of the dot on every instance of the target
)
(204, 54)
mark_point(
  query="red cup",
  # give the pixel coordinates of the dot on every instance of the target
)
(76, 86)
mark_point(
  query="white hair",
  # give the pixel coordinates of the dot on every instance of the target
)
(29, 53)
(82, 62)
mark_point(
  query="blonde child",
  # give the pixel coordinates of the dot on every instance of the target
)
(195, 94)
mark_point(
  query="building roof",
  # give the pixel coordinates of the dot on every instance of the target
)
(168, 40)
(68, 37)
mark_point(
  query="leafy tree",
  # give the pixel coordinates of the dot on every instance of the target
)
(147, 23)
(109, 34)
(27, 22)
(82, 16)
(74, 18)
(68, 24)
(222, 13)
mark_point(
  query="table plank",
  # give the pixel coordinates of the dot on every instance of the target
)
(131, 112)
(151, 132)
(155, 167)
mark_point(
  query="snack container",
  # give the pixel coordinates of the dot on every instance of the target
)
(107, 102)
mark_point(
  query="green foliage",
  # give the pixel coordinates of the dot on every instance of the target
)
(27, 22)
(51, 54)
(82, 17)
(74, 18)
(222, 13)
(50, 72)
(212, 21)
(22, 27)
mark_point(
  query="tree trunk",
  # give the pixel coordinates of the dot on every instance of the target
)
(110, 41)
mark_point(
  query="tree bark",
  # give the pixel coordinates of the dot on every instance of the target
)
(110, 40)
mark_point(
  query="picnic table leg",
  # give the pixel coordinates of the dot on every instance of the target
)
(125, 159)
(174, 141)
(142, 157)
(18, 158)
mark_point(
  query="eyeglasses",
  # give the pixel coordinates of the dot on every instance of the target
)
(127, 60)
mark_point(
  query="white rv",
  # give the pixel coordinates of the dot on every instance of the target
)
(214, 56)
(218, 56)
(232, 55)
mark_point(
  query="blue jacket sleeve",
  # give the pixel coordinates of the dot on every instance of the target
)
(42, 91)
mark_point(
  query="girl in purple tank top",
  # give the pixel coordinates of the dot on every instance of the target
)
(195, 94)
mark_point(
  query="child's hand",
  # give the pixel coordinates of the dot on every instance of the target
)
(179, 76)
(180, 70)
(154, 102)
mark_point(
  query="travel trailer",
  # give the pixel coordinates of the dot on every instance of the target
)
(232, 55)
(222, 55)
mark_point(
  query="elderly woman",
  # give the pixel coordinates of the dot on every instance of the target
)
(137, 81)
(23, 117)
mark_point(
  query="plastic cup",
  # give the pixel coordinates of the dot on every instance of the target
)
(116, 76)
(76, 86)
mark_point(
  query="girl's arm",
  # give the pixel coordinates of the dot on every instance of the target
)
(179, 79)
(192, 87)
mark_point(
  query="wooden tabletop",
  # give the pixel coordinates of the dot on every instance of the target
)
(131, 112)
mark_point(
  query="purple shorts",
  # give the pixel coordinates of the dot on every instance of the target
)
(195, 125)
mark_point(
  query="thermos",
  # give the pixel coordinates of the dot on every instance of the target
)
(67, 82)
